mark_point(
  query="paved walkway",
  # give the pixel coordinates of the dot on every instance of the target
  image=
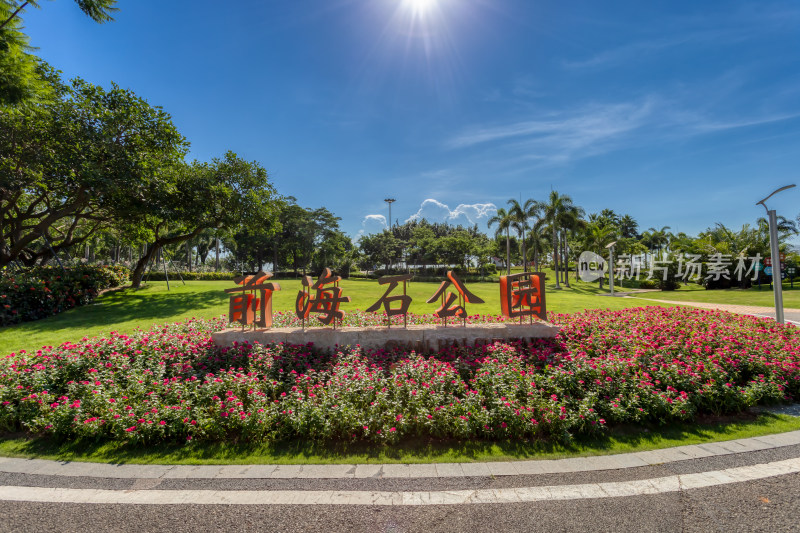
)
(791, 315)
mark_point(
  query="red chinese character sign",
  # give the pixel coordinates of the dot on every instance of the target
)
(325, 301)
(523, 295)
(448, 298)
(386, 300)
(245, 307)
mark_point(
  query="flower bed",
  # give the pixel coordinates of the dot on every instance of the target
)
(634, 366)
(44, 291)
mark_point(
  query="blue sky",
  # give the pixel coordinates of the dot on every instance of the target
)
(680, 113)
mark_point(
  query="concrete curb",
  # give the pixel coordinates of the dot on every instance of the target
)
(399, 471)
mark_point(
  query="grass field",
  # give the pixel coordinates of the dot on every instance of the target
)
(127, 309)
(616, 440)
(752, 296)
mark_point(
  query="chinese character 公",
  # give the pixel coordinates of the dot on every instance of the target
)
(447, 309)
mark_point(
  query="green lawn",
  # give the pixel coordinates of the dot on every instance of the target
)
(126, 310)
(616, 440)
(752, 296)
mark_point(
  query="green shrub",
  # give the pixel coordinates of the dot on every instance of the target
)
(192, 276)
(45, 291)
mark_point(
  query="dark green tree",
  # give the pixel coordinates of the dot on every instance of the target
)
(71, 166)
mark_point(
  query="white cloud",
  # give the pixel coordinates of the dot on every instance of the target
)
(465, 214)
(435, 211)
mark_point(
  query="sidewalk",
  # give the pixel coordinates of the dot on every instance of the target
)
(792, 315)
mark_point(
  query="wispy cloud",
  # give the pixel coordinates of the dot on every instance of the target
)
(711, 126)
(560, 136)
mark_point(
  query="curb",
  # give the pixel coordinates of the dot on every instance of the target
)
(399, 471)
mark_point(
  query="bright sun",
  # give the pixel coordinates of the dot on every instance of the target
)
(419, 7)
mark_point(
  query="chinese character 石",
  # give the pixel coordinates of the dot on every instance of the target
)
(447, 309)
(386, 300)
(523, 295)
(243, 304)
(325, 301)
(719, 265)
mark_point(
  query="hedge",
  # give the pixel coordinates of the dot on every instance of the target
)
(46, 291)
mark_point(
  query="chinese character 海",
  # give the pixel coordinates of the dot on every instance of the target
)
(243, 304)
(325, 301)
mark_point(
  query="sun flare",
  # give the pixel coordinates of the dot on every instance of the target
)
(419, 7)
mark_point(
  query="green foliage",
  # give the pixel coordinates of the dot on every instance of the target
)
(192, 276)
(45, 291)
(71, 166)
(21, 82)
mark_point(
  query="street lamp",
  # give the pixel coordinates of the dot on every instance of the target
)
(775, 253)
(389, 201)
(610, 248)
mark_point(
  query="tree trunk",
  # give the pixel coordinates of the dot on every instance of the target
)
(566, 261)
(508, 253)
(216, 251)
(555, 254)
(189, 256)
(524, 256)
(138, 271)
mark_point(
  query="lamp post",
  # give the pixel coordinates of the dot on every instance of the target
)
(775, 253)
(610, 248)
(390, 201)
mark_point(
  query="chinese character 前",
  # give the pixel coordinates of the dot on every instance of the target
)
(243, 304)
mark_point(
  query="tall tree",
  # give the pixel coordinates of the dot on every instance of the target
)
(504, 220)
(554, 212)
(228, 192)
(522, 215)
(71, 166)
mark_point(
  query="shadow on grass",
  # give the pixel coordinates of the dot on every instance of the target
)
(415, 450)
(127, 305)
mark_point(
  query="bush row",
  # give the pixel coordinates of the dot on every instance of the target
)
(192, 276)
(647, 365)
(44, 291)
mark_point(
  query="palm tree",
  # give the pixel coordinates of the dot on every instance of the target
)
(554, 213)
(522, 214)
(504, 221)
(570, 221)
(628, 227)
(596, 237)
(660, 237)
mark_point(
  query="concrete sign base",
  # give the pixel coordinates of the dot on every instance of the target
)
(419, 338)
